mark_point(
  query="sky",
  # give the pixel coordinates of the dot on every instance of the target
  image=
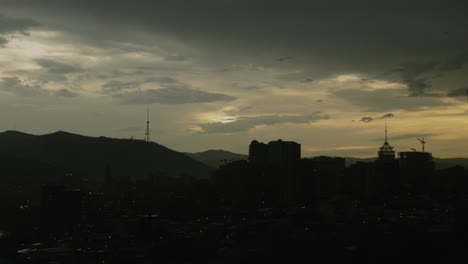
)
(216, 74)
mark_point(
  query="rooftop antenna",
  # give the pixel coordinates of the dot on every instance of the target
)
(147, 133)
(423, 142)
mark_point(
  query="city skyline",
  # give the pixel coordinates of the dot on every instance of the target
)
(218, 74)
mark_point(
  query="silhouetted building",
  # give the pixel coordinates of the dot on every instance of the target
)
(416, 160)
(359, 180)
(257, 152)
(416, 169)
(281, 152)
(386, 172)
(321, 177)
(374, 180)
(386, 152)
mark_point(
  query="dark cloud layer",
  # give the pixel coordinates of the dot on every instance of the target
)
(171, 95)
(171, 91)
(66, 93)
(387, 100)
(318, 27)
(12, 25)
(3, 41)
(418, 76)
(58, 67)
(375, 36)
(246, 123)
(115, 86)
(458, 92)
(19, 87)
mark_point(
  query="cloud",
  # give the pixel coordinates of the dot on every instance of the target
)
(407, 136)
(115, 87)
(386, 100)
(389, 115)
(18, 87)
(411, 76)
(454, 63)
(3, 41)
(231, 26)
(162, 80)
(458, 92)
(284, 59)
(366, 119)
(65, 93)
(171, 95)
(10, 25)
(307, 80)
(58, 67)
(417, 76)
(248, 87)
(176, 58)
(246, 123)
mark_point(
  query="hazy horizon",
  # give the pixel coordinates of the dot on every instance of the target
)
(220, 148)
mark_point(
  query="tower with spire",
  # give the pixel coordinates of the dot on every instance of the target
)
(147, 133)
(386, 152)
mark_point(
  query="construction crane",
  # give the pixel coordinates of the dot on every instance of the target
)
(423, 142)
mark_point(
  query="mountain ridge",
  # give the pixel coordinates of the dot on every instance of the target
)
(216, 157)
(129, 157)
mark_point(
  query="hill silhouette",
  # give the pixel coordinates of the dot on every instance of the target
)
(89, 155)
(214, 158)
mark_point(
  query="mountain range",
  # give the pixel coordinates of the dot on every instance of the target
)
(215, 158)
(63, 151)
(90, 155)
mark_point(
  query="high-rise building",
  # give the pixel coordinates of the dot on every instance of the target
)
(274, 152)
(257, 152)
(416, 170)
(386, 152)
(416, 160)
(283, 151)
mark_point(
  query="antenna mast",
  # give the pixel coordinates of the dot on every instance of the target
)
(386, 138)
(147, 133)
